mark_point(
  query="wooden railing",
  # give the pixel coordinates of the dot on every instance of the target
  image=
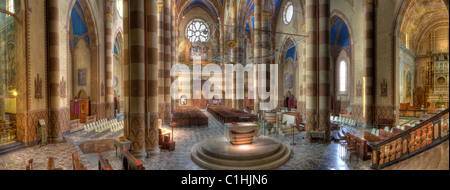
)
(129, 162)
(411, 142)
(103, 164)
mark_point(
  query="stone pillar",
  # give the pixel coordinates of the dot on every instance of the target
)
(137, 78)
(324, 67)
(265, 49)
(126, 67)
(234, 51)
(173, 45)
(161, 80)
(109, 66)
(167, 60)
(369, 52)
(57, 119)
(311, 67)
(257, 50)
(151, 143)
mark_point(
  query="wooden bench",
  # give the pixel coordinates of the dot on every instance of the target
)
(76, 163)
(385, 122)
(385, 134)
(51, 164)
(361, 147)
(103, 164)
(129, 162)
(371, 137)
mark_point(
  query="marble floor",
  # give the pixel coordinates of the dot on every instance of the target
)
(306, 155)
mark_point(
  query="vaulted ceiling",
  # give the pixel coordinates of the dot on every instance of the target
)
(421, 17)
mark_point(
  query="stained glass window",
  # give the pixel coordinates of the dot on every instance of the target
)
(289, 13)
(197, 31)
(342, 76)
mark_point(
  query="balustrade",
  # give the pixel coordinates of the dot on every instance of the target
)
(412, 141)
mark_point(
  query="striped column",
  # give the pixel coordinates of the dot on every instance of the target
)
(152, 144)
(311, 67)
(369, 63)
(137, 78)
(265, 49)
(54, 73)
(109, 53)
(167, 59)
(161, 80)
(126, 67)
(234, 51)
(324, 67)
(173, 57)
(257, 50)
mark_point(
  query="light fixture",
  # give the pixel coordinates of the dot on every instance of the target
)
(15, 93)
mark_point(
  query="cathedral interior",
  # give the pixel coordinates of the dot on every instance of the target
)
(224, 84)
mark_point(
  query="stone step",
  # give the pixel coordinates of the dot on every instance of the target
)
(9, 147)
(265, 154)
(250, 166)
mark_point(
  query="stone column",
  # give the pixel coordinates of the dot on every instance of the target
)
(234, 51)
(173, 57)
(265, 49)
(57, 119)
(311, 67)
(161, 80)
(167, 60)
(324, 67)
(109, 66)
(257, 50)
(369, 52)
(151, 143)
(126, 67)
(137, 77)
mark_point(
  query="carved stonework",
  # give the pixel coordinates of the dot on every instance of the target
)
(38, 87)
(63, 88)
(384, 88)
(359, 89)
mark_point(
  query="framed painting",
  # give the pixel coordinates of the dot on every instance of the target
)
(82, 77)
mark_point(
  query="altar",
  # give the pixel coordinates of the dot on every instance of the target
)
(241, 133)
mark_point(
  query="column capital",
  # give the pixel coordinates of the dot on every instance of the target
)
(160, 7)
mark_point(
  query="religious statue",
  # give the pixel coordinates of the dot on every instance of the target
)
(384, 88)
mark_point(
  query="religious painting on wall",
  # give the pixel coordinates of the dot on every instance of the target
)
(289, 81)
(359, 88)
(102, 87)
(10, 67)
(63, 88)
(183, 100)
(38, 87)
(408, 84)
(116, 82)
(82, 77)
(384, 88)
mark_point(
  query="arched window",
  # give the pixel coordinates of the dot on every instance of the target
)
(288, 13)
(197, 31)
(119, 4)
(10, 5)
(343, 76)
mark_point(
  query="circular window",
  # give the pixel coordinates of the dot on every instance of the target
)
(288, 13)
(197, 31)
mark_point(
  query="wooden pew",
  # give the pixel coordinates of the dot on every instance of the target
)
(129, 162)
(361, 147)
(371, 137)
(76, 163)
(385, 134)
(51, 164)
(385, 122)
(103, 164)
